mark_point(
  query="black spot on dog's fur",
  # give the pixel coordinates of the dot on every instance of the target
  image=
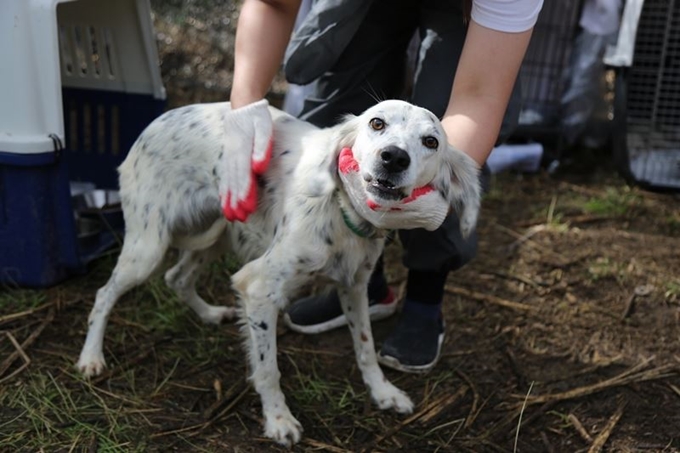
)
(338, 258)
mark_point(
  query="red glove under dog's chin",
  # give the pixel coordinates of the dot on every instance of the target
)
(424, 208)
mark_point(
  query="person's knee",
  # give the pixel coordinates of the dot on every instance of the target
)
(439, 250)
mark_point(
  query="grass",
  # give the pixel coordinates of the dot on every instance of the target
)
(603, 268)
(672, 291)
(673, 222)
(53, 414)
(15, 300)
(52, 408)
(311, 389)
(614, 202)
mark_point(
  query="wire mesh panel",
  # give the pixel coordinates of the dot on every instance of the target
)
(544, 63)
(653, 97)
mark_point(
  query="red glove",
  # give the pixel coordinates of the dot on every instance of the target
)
(246, 153)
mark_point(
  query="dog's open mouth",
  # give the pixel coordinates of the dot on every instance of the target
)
(385, 190)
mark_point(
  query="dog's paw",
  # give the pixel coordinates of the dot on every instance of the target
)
(283, 428)
(91, 363)
(390, 397)
(218, 314)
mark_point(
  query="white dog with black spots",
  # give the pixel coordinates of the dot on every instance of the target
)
(324, 202)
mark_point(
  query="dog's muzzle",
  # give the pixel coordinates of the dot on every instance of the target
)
(424, 208)
(393, 162)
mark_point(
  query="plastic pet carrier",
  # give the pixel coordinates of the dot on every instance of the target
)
(647, 99)
(80, 80)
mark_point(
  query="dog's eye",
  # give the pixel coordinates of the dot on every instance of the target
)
(377, 124)
(430, 142)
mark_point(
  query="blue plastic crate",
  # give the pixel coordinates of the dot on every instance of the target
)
(80, 82)
(39, 237)
(38, 244)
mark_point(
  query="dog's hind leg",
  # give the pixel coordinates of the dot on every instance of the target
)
(354, 302)
(138, 259)
(261, 297)
(182, 278)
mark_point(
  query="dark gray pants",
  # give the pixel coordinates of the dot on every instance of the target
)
(373, 67)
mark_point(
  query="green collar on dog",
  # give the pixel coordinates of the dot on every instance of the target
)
(366, 231)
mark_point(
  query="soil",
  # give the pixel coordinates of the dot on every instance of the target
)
(548, 348)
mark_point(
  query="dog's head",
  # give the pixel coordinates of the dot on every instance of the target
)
(401, 151)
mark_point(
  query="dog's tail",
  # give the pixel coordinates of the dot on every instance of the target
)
(204, 240)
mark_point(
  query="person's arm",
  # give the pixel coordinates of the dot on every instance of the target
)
(482, 86)
(262, 34)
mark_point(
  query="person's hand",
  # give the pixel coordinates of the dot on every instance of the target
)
(246, 152)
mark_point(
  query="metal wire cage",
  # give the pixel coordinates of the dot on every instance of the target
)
(647, 100)
(542, 70)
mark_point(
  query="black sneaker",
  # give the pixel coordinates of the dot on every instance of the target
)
(316, 314)
(415, 344)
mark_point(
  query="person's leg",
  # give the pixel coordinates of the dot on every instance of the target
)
(415, 343)
(371, 68)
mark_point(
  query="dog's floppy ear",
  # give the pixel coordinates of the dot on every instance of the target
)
(322, 159)
(458, 181)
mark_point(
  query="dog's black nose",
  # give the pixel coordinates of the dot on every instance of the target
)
(395, 159)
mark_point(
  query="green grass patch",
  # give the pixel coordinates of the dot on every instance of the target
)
(604, 268)
(55, 414)
(614, 202)
(14, 300)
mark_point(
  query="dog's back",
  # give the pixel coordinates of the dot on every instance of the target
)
(169, 183)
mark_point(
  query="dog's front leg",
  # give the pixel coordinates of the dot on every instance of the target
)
(354, 301)
(261, 299)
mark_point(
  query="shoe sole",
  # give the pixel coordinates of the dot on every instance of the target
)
(376, 312)
(394, 363)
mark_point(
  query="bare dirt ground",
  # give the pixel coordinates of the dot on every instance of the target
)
(562, 335)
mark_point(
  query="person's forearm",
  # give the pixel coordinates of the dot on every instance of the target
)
(482, 87)
(262, 34)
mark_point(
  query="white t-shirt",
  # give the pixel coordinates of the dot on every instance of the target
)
(511, 16)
